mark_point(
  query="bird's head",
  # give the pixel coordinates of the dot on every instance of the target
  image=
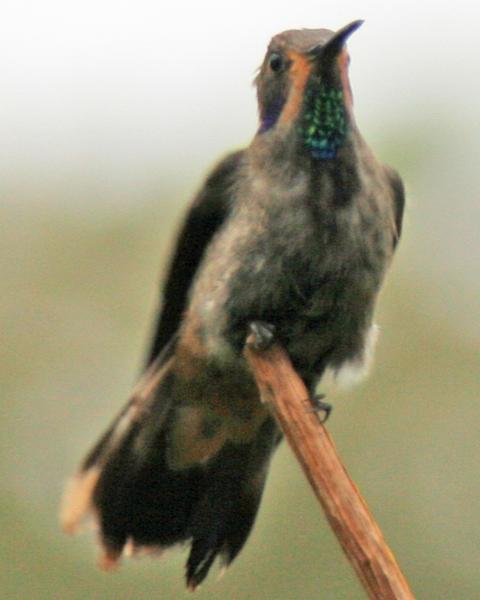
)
(303, 84)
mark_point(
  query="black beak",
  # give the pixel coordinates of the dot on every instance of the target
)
(335, 44)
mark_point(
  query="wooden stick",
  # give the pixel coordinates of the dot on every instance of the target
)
(346, 510)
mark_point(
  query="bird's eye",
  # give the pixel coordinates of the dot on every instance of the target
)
(276, 62)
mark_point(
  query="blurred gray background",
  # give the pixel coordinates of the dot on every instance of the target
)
(110, 114)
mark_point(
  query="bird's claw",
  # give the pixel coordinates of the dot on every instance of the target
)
(264, 335)
(318, 405)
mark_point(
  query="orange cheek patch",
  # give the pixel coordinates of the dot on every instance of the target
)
(299, 73)
(342, 62)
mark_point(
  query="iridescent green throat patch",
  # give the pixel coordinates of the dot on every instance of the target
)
(323, 125)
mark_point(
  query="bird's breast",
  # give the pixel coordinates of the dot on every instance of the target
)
(286, 256)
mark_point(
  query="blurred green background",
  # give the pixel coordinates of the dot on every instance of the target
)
(110, 115)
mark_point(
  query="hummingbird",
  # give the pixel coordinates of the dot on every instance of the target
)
(290, 238)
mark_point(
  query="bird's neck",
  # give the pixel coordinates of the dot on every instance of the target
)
(322, 143)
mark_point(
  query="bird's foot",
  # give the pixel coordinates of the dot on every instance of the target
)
(318, 405)
(264, 335)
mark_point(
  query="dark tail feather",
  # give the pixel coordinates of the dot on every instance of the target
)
(226, 510)
(118, 451)
(141, 504)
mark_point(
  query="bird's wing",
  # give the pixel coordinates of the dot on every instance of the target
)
(398, 192)
(207, 213)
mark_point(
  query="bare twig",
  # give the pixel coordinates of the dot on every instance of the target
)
(346, 510)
